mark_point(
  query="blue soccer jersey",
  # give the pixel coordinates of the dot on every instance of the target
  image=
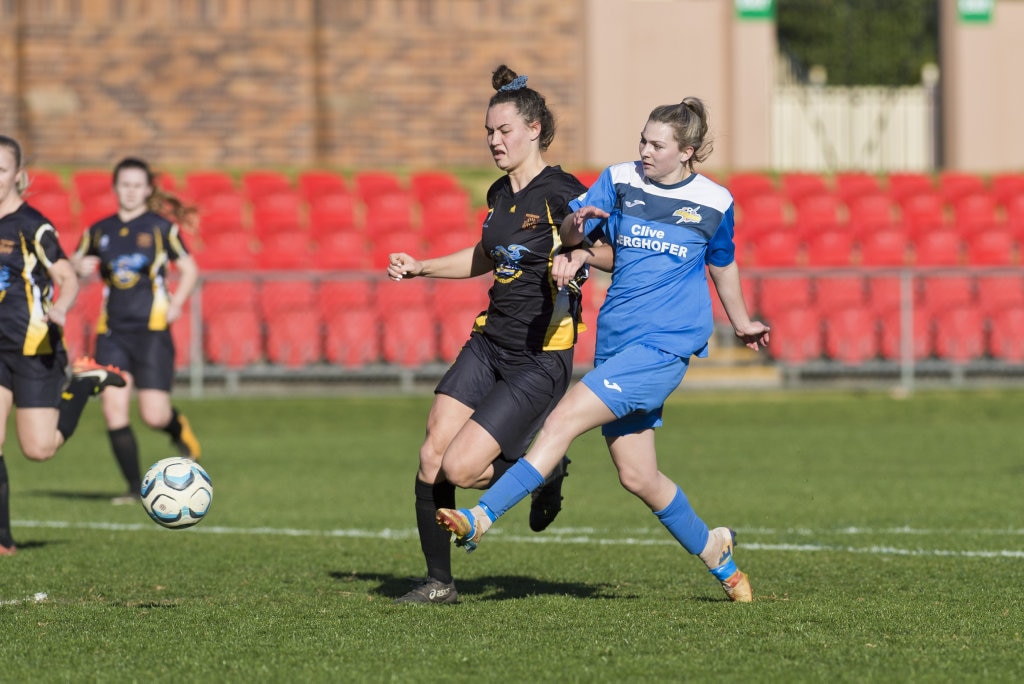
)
(663, 237)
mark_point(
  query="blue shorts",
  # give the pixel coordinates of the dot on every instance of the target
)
(634, 384)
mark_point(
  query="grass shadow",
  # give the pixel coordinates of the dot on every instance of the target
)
(73, 495)
(489, 588)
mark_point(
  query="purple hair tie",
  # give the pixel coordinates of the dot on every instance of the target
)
(517, 83)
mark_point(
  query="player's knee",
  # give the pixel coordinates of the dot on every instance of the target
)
(460, 474)
(39, 451)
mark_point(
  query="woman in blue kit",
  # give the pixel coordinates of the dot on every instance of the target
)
(664, 227)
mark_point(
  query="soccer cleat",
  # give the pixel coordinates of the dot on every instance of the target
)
(547, 499)
(8, 550)
(462, 525)
(717, 556)
(188, 444)
(106, 376)
(430, 590)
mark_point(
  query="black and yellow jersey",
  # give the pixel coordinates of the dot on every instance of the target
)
(526, 310)
(28, 248)
(133, 264)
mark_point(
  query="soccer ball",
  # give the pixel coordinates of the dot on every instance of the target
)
(176, 492)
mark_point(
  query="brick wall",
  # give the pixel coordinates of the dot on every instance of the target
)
(246, 83)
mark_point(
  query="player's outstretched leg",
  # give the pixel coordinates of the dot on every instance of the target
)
(547, 501)
(86, 368)
(717, 556)
(467, 525)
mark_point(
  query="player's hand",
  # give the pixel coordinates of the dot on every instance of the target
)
(755, 335)
(401, 265)
(58, 315)
(565, 266)
(581, 215)
(173, 312)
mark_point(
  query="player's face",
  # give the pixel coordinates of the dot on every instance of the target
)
(132, 189)
(510, 139)
(8, 175)
(660, 155)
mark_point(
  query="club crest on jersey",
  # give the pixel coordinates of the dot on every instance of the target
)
(125, 270)
(506, 262)
(687, 215)
(144, 241)
(530, 221)
(6, 246)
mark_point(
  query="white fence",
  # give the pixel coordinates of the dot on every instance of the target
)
(822, 128)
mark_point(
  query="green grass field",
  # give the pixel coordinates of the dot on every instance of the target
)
(884, 539)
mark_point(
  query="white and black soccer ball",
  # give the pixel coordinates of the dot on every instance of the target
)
(176, 492)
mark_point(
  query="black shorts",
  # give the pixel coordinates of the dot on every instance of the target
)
(511, 392)
(147, 354)
(35, 381)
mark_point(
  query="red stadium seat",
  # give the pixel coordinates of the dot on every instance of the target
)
(352, 337)
(234, 338)
(227, 251)
(222, 213)
(883, 248)
(390, 212)
(315, 184)
(851, 334)
(871, 213)
(426, 184)
(290, 294)
(382, 245)
(282, 211)
(587, 176)
(462, 293)
(976, 213)
(746, 185)
(937, 248)
(285, 250)
(330, 214)
(838, 292)
(940, 292)
(891, 340)
(924, 213)
(1007, 187)
(818, 214)
(200, 185)
(1006, 334)
(92, 183)
(44, 181)
(830, 248)
(777, 248)
(994, 292)
(96, 208)
(885, 293)
(341, 252)
(447, 243)
(220, 296)
(294, 337)
(775, 295)
(904, 184)
(354, 293)
(796, 336)
(798, 186)
(955, 185)
(258, 184)
(748, 285)
(852, 185)
(56, 206)
(369, 184)
(993, 247)
(959, 334)
(769, 207)
(444, 212)
(77, 338)
(409, 337)
(181, 333)
(407, 295)
(456, 323)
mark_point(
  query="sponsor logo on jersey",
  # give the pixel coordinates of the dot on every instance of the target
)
(612, 385)
(635, 203)
(687, 215)
(506, 262)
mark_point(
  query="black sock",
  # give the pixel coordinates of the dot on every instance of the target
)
(174, 427)
(434, 541)
(501, 466)
(5, 507)
(72, 403)
(126, 451)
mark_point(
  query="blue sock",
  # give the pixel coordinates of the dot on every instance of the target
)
(511, 488)
(682, 521)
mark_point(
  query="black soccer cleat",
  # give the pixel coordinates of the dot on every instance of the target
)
(547, 499)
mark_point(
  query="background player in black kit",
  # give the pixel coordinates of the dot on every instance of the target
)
(133, 249)
(518, 360)
(33, 361)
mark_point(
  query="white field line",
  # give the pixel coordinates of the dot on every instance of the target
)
(654, 536)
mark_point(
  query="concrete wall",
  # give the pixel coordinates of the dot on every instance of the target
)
(982, 96)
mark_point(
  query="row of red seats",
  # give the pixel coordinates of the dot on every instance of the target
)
(859, 334)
